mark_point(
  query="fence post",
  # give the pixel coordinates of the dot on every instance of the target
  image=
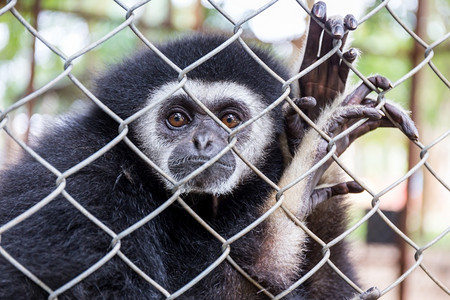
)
(413, 151)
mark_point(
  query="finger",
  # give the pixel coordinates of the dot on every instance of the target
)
(372, 293)
(309, 88)
(371, 125)
(358, 112)
(346, 188)
(330, 74)
(399, 116)
(350, 56)
(295, 131)
(363, 129)
(354, 187)
(307, 105)
(294, 124)
(355, 97)
(350, 24)
(321, 195)
(319, 10)
(361, 92)
(340, 28)
(380, 82)
(353, 113)
(305, 102)
(405, 122)
(343, 143)
(335, 26)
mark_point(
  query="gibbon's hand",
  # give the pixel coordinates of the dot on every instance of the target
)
(328, 80)
(354, 108)
(324, 83)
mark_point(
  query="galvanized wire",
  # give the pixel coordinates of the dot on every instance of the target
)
(178, 185)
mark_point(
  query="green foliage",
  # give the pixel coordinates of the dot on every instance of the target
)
(385, 46)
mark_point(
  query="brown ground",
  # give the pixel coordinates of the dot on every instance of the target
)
(377, 265)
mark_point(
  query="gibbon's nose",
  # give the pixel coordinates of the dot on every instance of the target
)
(203, 140)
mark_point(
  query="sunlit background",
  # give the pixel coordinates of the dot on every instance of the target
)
(379, 159)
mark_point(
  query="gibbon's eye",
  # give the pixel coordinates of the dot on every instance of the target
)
(231, 120)
(178, 119)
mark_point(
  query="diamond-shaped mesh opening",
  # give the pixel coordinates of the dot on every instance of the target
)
(126, 248)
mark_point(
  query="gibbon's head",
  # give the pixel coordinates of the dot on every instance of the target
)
(176, 133)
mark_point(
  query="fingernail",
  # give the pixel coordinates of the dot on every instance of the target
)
(355, 187)
(319, 10)
(373, 115)
(350, 22)
(338, 32)
(415, 134)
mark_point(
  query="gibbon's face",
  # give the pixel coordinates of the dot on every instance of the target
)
(179, 136)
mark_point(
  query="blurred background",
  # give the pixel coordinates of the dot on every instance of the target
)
(420, 207)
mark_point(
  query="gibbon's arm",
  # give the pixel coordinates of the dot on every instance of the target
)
(326, 82)
(320, 99)
(334, 119)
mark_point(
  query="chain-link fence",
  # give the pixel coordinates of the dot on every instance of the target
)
(419, 163)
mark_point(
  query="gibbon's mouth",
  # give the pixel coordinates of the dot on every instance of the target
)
(199, 161)
(219, 170)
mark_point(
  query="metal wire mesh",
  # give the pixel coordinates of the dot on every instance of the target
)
(183, 77)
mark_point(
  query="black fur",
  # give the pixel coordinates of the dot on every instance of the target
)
(58, 242)
(128, 84)
(328, 221)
